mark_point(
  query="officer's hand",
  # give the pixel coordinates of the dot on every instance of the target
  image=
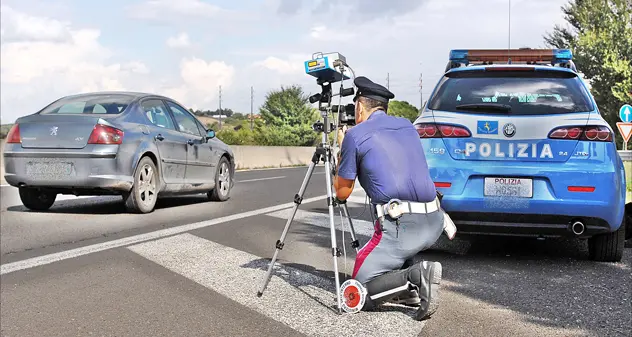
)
(341, 134)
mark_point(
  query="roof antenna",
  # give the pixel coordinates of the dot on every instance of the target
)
(509, 31)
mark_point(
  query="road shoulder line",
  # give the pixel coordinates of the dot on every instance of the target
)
(69, 254)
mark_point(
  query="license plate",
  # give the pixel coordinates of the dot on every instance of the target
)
(509, 187)
(40, 169)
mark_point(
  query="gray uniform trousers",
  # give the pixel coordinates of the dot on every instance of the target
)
(391, 247)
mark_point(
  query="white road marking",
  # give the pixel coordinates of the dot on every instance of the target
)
(302, 301)
(69, 254)
(361, 227)
(259, 179)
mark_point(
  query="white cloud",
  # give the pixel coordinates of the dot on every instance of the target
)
(200, 81)
(17, 26)
(180, 41)
(39, 66)
(159, 9)
(291, 65)
(323, 33)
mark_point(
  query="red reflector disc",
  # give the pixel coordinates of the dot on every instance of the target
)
(353, 296)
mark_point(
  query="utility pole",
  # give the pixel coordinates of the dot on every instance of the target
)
(252, 117)
(220, 108)
(387, 81)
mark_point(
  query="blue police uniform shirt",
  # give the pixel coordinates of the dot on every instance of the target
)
(385, 154)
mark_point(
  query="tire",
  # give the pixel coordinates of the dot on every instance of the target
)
(221, 192)
(142, 198)
(628, 221)
(608, 247)
(37, 200)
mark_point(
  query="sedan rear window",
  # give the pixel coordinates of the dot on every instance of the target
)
(98, 104)
(515, 93)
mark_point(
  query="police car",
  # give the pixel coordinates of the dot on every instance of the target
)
(517, 146)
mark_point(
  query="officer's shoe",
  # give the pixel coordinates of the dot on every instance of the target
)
(427, 277)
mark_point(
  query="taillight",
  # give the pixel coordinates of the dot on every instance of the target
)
(103, 134)
(431, 130)
(442, 184)
(589, 133)
(14, 135)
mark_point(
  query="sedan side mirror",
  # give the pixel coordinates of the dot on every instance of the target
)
(210, 134)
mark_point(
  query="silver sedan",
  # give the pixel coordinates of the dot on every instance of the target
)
(137, 145)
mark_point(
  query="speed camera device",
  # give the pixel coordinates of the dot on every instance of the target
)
(327, 68)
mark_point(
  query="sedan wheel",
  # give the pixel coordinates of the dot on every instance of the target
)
(36, 200)
(221, 192)
(145, 190)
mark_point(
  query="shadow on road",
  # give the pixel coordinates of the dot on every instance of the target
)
(324, 281)
(109, 205)
(550, 283)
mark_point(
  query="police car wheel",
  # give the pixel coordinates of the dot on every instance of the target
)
(608, 247)
(628, 221)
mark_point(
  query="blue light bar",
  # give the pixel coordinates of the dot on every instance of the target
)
(525, 55)
(459, 56)
(562, 55)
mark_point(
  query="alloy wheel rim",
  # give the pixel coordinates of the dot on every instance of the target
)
(147, 185)
(224, 179)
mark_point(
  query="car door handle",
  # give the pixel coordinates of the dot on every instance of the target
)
(159, 137)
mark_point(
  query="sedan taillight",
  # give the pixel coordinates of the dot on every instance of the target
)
(14, 135)
(103, 134)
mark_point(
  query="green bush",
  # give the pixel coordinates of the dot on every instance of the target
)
(243, 136)
(262, 135)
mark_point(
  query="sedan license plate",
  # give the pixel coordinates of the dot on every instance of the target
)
(46, 169)
(509, 187)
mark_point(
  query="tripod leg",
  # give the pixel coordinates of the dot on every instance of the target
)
(334, 248)
(298, 198)
(354, 242)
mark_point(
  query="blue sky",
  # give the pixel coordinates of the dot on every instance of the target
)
(186, 49)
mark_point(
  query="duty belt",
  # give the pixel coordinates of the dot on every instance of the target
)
(395, 208)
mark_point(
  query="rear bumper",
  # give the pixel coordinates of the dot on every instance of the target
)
(95, 171)
(552, 207)
(529, 225)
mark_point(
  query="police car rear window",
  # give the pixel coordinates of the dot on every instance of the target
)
(515, 93)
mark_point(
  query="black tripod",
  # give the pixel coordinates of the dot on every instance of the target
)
(322, 152)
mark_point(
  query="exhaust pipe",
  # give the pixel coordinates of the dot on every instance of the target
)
(578, 228)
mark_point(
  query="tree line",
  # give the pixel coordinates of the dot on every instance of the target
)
(286, 119)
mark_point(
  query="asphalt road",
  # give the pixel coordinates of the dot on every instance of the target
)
(192, 268)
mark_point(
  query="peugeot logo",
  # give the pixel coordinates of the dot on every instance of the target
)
(53, 131)
(509, 130)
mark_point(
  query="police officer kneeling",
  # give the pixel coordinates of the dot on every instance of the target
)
(385, 154)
